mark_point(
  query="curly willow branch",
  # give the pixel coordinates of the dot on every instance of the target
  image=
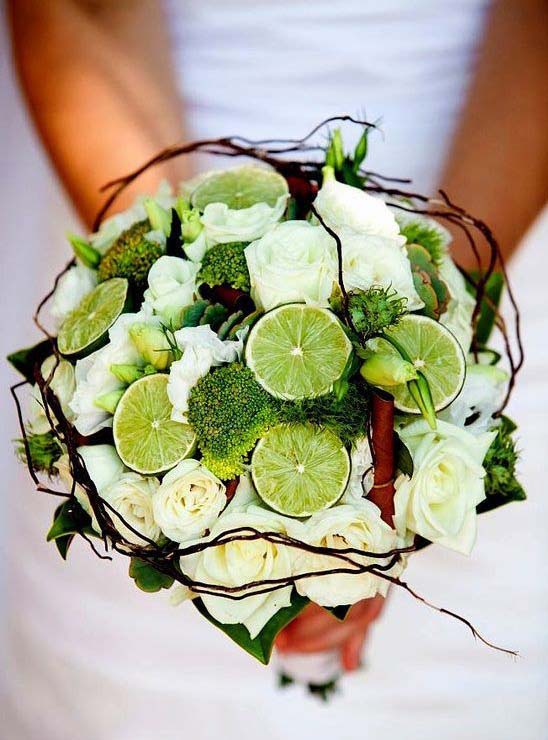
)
(166, 558)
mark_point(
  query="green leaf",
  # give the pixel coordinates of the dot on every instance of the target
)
(486, 320)
(191, 315)
(147, 578)
(69, 520)
(261, 646)
(214, 315)
(25, 360)
(404, 461)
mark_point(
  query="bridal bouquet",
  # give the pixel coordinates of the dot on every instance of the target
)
(270, 385)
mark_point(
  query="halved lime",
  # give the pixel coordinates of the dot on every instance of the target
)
(146, 438)
(297, 351)
(92, 318)
(434, 352)
(241, 187)
(299, 469)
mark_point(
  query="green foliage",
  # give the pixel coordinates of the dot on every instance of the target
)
(428, 284)
(225, 264)
(68, 521)
(500, 465)
(374, 310)
(131, 256)
(44, 451)
(25, 360)
(426, 235)
(346, 417)
(214, 315)
(261, 646)
(147, 578)
(229, 411)
(346, 166)
(491, 300)
(191, 315)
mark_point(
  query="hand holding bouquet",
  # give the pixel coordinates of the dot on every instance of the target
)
(270, 386)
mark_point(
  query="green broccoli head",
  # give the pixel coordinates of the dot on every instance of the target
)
(44, 451)
(131, 256)
(225, 264)
(375, 309)
(229, 411)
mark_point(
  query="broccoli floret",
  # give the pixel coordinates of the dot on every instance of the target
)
(346, 417)
(225, 264)
(375, 309)
(423, 233)
(44, 450)
(229, 411)
(500, 465)
(131, 256)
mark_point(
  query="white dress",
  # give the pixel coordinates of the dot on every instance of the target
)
(87, 655)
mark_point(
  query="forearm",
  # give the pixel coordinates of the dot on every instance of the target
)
(498, 164)
(99, 84)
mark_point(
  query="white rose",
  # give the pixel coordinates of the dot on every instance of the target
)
(112, 227)
(103, 466)
(171, 286)
(223, 224)
(131, 496)
(458, 316)
(62, 384)
(346, 207)
(439, 501)
(377, 260)
(481, 395)
(94, 379)
(237, 563)
(294, 262)
(361, 471)
(72, 287)
(202, 350)
(357, 524)
(188, 501)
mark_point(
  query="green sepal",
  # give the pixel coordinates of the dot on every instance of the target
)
(191, 315)
(88, 255)
(25, 360)
(261, 646)
(69, 520)
(404, 460)
(360, 152)
(109, 401)
(492, 297)
(147, 578)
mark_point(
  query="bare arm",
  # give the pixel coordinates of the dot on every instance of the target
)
(99, 82)
(498, 164)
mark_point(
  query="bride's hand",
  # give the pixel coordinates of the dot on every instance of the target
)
(315, 630)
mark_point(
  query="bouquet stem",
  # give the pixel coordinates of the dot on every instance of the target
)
(382, 442)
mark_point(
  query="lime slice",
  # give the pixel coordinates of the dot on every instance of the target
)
(298, 469)
(239, 188)
(434, 352)
(146, 438)
(89, 322)
(297, 351)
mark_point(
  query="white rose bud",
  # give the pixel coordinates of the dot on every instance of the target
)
(356, 524)
(188, 501)
(131, 496)
(346, 207)
(237, 563)
(294, 262)
(171, 286)
(439, 501)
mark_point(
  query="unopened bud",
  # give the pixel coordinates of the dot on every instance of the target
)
(159, 218)
(127, 374)
(387, 370)
(109, 401)
(88, 255)
(152, 345)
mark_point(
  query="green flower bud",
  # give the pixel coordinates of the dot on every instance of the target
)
(387, 370)
(152, 344)
(87, 254)
(159, 218)
(360, 152)
(109, 401)
(127, 374)
(191, 225)
(328, 173)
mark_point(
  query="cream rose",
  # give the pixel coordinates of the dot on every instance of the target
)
(73, 286)
(131, 496)
(377, 260)
(346, 207)
(237, 563)
(223, 224)
(458, 316)
(439, 501)
(294, 262)
(355, 524)
(188, 501)
(481, 395)
(171, 286)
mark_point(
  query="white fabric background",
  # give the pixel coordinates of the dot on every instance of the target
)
(85, 654)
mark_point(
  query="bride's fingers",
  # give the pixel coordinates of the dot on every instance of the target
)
(303, 641)
(351, 650)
